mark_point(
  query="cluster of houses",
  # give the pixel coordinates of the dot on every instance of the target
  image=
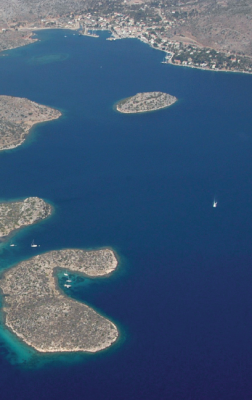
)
(155, 28)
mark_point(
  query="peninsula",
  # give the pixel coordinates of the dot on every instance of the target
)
(41, 315)
(18, 116)
(17, 214)
(144, 102)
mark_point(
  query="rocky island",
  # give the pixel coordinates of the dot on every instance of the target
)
(41, 315)
(17, 214)
(18, 116)
(144, 102)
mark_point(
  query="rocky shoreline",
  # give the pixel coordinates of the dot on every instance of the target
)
(18, 214)
(145, 102)
(17, 116)
(41, 315)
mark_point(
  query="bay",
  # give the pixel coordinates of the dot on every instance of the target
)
(144, 186)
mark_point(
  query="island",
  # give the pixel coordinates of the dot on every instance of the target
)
(40, 313)
(17, 214)
(144, 102)
(18, 116)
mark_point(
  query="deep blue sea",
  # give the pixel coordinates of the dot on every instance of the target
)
(143, 185)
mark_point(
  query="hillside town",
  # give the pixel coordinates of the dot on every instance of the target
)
(164, 27)
(186, 53)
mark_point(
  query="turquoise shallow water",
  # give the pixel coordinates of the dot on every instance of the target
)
(143, 185)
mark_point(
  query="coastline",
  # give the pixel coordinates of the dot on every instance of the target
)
(29, 348)
(83, 318)
(18, 115)
(22, 215)
(207, 69)
(24, 341)
(112, 38)
(145, 102)
(12, 234)
(142, 112)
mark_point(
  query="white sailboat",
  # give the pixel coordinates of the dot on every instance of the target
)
(215, 203)
(33, 244)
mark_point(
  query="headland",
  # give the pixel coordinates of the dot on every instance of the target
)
(18, 116)
(17, 214)
(40, 314)
(144, 102)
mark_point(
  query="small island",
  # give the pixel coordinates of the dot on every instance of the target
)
(144, 102)
(41, 315)
(18, 116)
(17, 214)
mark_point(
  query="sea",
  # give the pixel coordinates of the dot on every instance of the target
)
(143, 185)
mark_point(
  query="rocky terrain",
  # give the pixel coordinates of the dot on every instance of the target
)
(40, 314)
(13, 38)
(17, 117)
(144, 102)
(225, 25)
(15, 215)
